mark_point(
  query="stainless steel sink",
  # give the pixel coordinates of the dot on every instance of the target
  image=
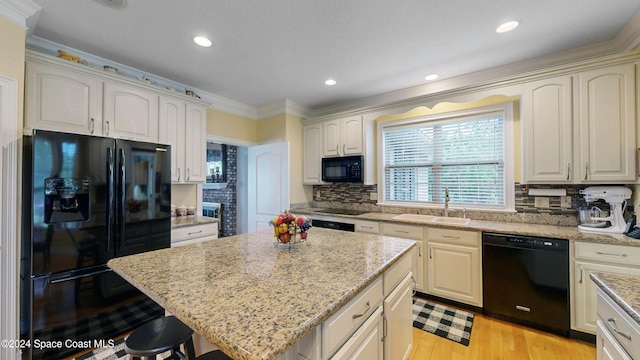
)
(429, 219)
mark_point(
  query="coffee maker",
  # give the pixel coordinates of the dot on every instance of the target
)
(617, 197)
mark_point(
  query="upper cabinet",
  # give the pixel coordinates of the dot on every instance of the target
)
(61, 100)
(183, 125)
(130, 112)
(607, 121)
(312, 154)
(343, 137)
(581, 128)
(68, 97)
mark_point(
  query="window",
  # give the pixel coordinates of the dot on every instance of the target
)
(470, 154)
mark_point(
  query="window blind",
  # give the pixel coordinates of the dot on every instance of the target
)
(465, 155)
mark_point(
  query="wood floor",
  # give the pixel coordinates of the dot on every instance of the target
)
(495, 339)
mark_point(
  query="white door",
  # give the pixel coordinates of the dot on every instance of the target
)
(268, 183)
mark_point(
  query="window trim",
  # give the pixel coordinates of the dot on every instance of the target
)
(507, 110)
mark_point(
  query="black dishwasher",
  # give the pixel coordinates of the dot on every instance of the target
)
(526, 280)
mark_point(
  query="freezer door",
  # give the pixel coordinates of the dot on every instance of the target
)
(72, 308)
(66, 177)
(143, 197)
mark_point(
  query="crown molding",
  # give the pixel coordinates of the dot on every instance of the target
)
(22, 12)
(627, 40)
(285, 106)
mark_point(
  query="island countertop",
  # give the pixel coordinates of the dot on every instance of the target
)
(253, 298)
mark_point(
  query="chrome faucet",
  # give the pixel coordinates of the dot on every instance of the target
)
(446, 201)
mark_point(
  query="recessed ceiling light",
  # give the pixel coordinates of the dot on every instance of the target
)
(330, 82)
(431, 77)
(508, 26)
(202, 41)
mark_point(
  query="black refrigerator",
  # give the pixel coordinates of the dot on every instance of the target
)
(86, 200)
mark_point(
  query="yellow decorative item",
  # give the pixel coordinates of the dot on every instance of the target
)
(69, 56)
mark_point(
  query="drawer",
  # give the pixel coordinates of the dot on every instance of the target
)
(623, 328)
(371, 227)
(196, 231)
(394, 275)
(403, 231)
(449, 236)
(341, 325)
(628, 255)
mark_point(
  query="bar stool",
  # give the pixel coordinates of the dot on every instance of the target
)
(214, 355)
(160, 335)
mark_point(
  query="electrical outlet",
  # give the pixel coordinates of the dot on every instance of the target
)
(542, 202)
(373, 196)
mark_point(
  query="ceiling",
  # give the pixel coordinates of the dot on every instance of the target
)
(267, 51)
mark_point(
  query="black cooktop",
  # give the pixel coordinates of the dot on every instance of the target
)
(340, 211)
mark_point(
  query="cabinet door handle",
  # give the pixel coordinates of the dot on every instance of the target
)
(419, 251)
(612, 325)
(355, 316)
(178, 174)
(430, 252)
(337, 150)
(91, 126)
(568, 170)
(581, 271)
(107, 127)
(343, 151)
(188, 174)
(586, 170)
(610, 254)
(384, 327)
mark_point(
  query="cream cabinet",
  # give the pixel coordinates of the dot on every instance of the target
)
(398, 320)
(343, 137)
(58, 99)
(607, 123)
(416, 233)
(599, 258)
(366, 343)
(183, 126)
(547, 107)
(186, 235)
(130, 112)
(454, 265)
(617, 333)
(312, 154)
(581, 128)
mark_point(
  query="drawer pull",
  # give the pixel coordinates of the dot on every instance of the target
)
(612, 325)
(610, 254)
(401, 231)
(195, 232)
(355, 316)
(450, 237)
(367, 227)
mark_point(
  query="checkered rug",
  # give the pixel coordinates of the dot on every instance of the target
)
(449, 323)
(113, 353)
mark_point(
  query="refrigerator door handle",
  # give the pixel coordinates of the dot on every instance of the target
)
(75, 277)
(110, 199)
(123, 194)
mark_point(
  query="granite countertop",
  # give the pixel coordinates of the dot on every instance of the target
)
(181, 221)
(514, 228)
(253, 298)
(623, 289)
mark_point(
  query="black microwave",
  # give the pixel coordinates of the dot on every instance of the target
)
(342, 169)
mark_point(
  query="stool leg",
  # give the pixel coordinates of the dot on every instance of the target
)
(189, 349)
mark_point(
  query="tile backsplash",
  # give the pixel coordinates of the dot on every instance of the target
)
(558, 212)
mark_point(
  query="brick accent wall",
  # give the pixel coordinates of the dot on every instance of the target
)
(227, 197)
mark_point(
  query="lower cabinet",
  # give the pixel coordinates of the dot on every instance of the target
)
(413, 232)
(398, 313)
(599, 258)
(366, 343)
(186, 235)
(617, 333)
(454, 265)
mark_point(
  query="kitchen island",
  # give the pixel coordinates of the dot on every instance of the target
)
(256, 299)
